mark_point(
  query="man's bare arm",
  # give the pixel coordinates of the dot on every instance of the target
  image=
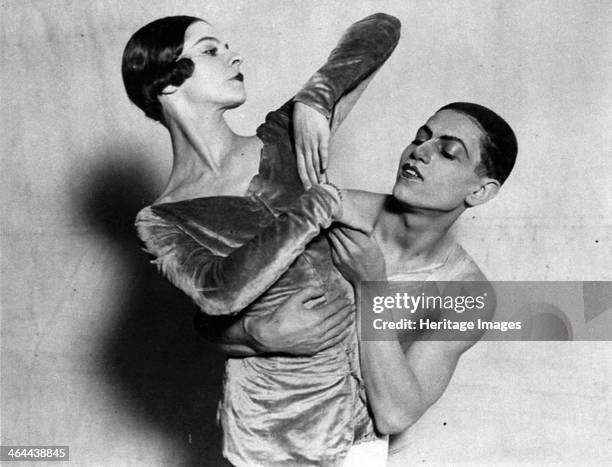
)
(401, 385)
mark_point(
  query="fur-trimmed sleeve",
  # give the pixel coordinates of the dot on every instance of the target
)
(225, 285)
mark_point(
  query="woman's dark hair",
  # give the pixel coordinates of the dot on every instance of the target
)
(499, 146)
(150, 62)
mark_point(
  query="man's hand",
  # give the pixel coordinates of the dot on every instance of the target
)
(302, 325)
(311, 130)
(357, 255)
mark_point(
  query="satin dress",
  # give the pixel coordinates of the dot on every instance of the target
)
(248, 254)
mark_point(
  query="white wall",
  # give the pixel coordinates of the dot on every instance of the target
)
(98, 352)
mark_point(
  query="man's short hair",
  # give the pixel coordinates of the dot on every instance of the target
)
(499, 146)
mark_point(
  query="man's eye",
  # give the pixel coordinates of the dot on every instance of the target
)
(448, 155)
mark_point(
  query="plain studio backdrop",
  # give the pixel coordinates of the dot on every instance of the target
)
(99, 352)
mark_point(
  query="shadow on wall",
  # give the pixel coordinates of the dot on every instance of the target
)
(162, 372)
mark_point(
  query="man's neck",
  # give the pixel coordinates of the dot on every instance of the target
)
(413, 238)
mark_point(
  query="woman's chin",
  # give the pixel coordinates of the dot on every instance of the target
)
(234, 103)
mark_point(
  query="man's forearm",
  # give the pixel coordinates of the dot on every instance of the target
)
(402, 385)
(393, 390)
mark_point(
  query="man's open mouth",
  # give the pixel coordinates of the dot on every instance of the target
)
(239, 77)
(410, 171)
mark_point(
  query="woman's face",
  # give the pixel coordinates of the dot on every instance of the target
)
(438, 169)
(216, 78)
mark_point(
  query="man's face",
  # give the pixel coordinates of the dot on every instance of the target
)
(438, 169)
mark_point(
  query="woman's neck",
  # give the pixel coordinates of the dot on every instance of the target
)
(205, 140)
(203, 146)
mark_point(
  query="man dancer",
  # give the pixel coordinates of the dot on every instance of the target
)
(459, 159)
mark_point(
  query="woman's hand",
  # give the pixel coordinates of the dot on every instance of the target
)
(303, 325)
(311, 130)
(357, 255)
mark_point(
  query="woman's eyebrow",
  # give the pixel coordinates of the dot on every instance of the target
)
(206, 38)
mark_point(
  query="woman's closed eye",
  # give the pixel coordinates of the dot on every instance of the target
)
(210, 51)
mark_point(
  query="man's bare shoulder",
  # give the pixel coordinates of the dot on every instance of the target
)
(367, 196)
(370, 201)
(462, 267)
(465, 270)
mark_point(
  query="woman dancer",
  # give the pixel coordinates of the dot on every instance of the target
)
(235, 230)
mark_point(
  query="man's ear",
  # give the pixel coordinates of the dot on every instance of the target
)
(487, 190)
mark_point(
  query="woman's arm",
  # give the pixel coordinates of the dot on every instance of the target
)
(362, 50)
(226, 285)
(335, 88)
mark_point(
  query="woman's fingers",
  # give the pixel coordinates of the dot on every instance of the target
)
(312, 133)
(316, 163)
(324, 178)
(310, 166)
(323, 156)
(301, 165)
(322, 145)
(305, 165)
